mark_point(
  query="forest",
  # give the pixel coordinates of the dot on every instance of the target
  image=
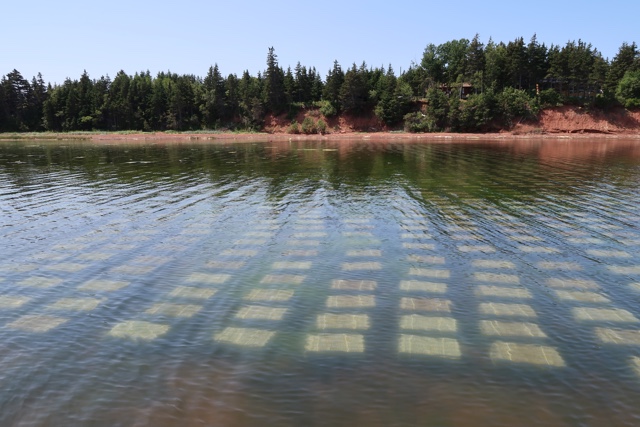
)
(461, 86)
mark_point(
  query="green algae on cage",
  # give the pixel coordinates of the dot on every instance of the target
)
(525, 354)
(428, 323)
(635, 364)
(351, 301)
(133, 270)
(423, 286)
(581, 296)
(513, 329)
(301, 253)
(138, 329)
(309, 235)
(37, 323)
(485, 249)
(601, 253)
(103, 285)
(283, 279)
(245, 337)
(559, 265)
(208, 278)
(423, 246)
(426, 259)
(261, 312)
(75, 304)
(430, 272)
(249, 242)
(225, 265)
(292, 265)
(328, 343)
(511, 279)
(40, 282)
(67, 267)
(342, 321)
(409, 236)
(303, 242)
(356, 266)
(618, 336)
(269, 295)
(538, 249)
(506, 310)
(13, 302)
(447, 348)
(174, 310)
(603, 314)
(239, 252)
(357, 234)
(193, 292)
(619, 269)
(493, 264)
(425, 304)
(18, 268)
(354, 285)
(563, 283)
(364, 253)
(260, 234)
(152, 259)
(95, 256)
(502, 292)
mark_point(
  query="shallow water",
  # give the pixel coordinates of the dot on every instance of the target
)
(306, 283)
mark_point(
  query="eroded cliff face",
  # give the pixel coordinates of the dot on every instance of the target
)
(577, 120)
(567, 119)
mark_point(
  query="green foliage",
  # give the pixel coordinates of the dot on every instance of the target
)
(514, 104)
(628, 90)
(627, 59)
(354, 93)
(321, 126)
(417, 122)
(605, 101)
(549, 98)
(327, 109)
(333, 85)
(274, 85)
(294, 109)
(477, 112)
(293, 128)
(309, 126)
(498, 73)
(437, 109)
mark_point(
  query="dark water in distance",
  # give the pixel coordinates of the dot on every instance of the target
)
(320, 283)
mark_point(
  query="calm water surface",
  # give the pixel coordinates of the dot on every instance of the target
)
(321, 284)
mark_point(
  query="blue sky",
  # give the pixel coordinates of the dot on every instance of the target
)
(62, 38)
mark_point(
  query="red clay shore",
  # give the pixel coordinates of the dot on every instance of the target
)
(372, 136)
(557, 123)
(561, 122)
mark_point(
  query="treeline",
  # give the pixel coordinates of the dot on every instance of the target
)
(460, 85)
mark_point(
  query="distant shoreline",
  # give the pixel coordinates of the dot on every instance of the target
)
(263, 136)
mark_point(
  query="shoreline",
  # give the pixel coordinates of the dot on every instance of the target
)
(250, 136)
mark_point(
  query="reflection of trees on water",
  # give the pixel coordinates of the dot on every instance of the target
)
(437, 173)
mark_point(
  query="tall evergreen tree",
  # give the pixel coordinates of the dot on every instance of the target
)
(516, 62)
(16, 90)
(354, 92)
(537, 64)
(213, 102)
(274, 90)
(496, 71)
(627, 59)
(333, 85)
(475, 63)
